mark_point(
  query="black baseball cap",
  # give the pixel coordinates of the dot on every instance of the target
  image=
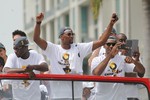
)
(21, 41)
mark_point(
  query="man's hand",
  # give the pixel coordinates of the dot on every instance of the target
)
(115, 50)
(86, 92)
(39, 17)
(32, 75)
(136, 55)
(114, 18)
(129, 60)
(29, 68)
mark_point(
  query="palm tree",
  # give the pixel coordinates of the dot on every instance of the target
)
(95, 6)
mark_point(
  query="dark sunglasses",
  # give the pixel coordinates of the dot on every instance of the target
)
(110, 44)
(69, 34)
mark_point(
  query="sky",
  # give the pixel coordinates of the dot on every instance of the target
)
(11, 18)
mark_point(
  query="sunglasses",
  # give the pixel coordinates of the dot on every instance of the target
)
(110, 44)
(70, 34)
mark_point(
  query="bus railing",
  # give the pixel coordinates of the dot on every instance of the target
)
(69, 77)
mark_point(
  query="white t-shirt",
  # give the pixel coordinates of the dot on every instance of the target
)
(102, 51)
(115, 67)
(31, 91)
(76, 53)
(59, 59)
(129, 88)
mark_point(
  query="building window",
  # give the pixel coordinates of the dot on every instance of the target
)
(73, 18)
(44, 32)
(118, 13)
(84, 19)
(96, 33)
(52, 34)
(84, 22)
(67, 20)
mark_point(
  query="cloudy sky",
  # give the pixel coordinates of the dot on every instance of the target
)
(11, 18)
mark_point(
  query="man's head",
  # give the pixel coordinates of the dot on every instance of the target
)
(111, 41)
(18, 33)
(2, 51)
(66, 35)
(121, 38)
(21, 46)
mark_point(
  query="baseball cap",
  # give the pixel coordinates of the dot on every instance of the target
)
(112, 37)
(113, 31)
(21, 41)
(64, 29)
(2, 46)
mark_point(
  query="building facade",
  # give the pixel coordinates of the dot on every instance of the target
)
(77, 14)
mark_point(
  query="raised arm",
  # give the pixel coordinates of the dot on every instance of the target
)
(102, 40)
(39, 41)
(139, 68)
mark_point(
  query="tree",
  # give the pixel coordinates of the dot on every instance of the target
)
(95, 6)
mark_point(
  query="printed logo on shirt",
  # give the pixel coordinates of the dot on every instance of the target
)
(114, 69)
(25, 82)
(65, 62)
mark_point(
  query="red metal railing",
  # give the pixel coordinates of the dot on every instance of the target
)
(144, 81)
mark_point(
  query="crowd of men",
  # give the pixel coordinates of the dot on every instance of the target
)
(108, 59)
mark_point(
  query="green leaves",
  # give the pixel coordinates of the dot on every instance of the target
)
(95, 6)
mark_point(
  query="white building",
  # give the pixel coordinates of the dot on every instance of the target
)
(78, 15)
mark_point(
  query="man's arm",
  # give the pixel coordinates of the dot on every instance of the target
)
(102, 39)
(39, 41)
(42, 67)
(139, 68)
(101, 66)
(13, 70)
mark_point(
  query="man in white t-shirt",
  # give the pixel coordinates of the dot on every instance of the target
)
(101, 50)
(25, 61)
(129, 88)
(67, 58)
(112, 64)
